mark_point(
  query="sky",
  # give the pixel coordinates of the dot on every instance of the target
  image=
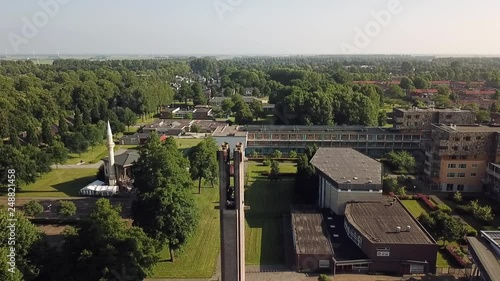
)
(250, 27)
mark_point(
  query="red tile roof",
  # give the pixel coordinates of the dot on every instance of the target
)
(424, 91)
(487, 92)
(440, 82)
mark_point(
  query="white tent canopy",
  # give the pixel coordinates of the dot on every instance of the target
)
(98, 188)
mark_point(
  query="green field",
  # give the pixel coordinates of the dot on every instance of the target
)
(198, 258)
(268, 201)
(59, 183)
(187, 143)
(89, 157)
(416, 207)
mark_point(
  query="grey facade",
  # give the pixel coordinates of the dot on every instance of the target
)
(232, 213)
(346, 175)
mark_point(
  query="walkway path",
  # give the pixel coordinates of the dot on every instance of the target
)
(87, 166)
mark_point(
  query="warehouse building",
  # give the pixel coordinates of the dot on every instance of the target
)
(313, 250)
(392, 239)
(346, 175)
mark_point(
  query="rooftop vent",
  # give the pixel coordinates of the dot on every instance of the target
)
(370, 181)
(348, 181)
(355, 178)
(408, 228)
(398, 229)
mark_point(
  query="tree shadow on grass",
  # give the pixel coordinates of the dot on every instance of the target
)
(269, 201)
(70, 188)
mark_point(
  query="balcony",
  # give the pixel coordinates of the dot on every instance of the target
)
(493, 173)
(427, 172)
(427, 163)
(428, 154)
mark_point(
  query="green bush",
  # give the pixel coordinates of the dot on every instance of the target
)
(324, 277)
(266, 162)
(33, 208)
(470, 231)
(67, 208)
(444, 208)
(463, 210)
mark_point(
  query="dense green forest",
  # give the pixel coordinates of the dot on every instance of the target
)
(46, 109)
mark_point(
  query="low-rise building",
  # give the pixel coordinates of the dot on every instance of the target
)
(203, 112)
(346, 175)
(217, 101)
(233, 135)
(313, 249)
(169, 127)
(392, 239)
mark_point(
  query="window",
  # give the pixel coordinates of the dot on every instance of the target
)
(462, 166)
(383, 254)
(450, 175)
(463, 157)
(452, 166)
(461, 175)
(454, 157)
(460, 187)
(479, 138)
(457, 139)
(473, 174)
(383, 249)
(474, 165)
(324, 264)
(416, 268)
(467, 138)
(449, 187)
(466, 148)
(455, 148)
(417, 117)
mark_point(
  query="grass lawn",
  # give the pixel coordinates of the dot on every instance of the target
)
(415, 207)
(268, 201)
(59, 183)
(199, 257)
(89, 157)
(187, 143)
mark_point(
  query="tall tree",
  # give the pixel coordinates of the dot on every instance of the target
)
(203, 159)
(104, 247)
(58, 153)
(164, 206)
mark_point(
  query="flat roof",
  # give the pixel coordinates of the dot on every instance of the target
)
(431, 110)
(468, 128)
(311, 236)
(378, 222)
(276, 129)
(485, 258)
(343, 164)
(229, 131)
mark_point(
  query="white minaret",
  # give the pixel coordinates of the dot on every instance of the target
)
(111, 153)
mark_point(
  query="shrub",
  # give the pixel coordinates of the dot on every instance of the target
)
(457, 197)
(324, 277)
(277, 154)
(427, 202)
(444, 208)
(254, 154)
(266, 162)
(483, 214)
(67, 208)
(457, 254)
(463, 210)
(293, 154)
(470, 231)
(33, 208)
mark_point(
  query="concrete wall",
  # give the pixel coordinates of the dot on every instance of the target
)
(336, 199)
(310, 263)
(231, 140)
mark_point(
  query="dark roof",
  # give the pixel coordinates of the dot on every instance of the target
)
(485, 258)
(311, 236)
(378, 222)
(344, 164)
(125, 159)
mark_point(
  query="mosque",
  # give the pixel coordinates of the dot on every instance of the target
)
(117, 172)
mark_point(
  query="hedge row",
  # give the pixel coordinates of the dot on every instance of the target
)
(457, 254)
(427, 201)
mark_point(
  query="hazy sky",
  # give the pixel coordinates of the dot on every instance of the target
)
(250, 27)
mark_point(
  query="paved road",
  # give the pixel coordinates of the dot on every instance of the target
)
(87, 166)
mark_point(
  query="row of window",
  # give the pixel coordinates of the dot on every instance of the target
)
(352, 234)
(461, 166)
(468, 138)
(459, 175)
(333, 137)
(450, 187)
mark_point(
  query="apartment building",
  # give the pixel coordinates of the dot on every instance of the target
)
(458, 156)
(422, 119)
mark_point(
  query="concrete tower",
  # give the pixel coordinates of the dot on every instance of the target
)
(232, 212)
(111, 153)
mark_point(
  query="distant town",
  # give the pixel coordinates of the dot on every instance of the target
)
(246, 168)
